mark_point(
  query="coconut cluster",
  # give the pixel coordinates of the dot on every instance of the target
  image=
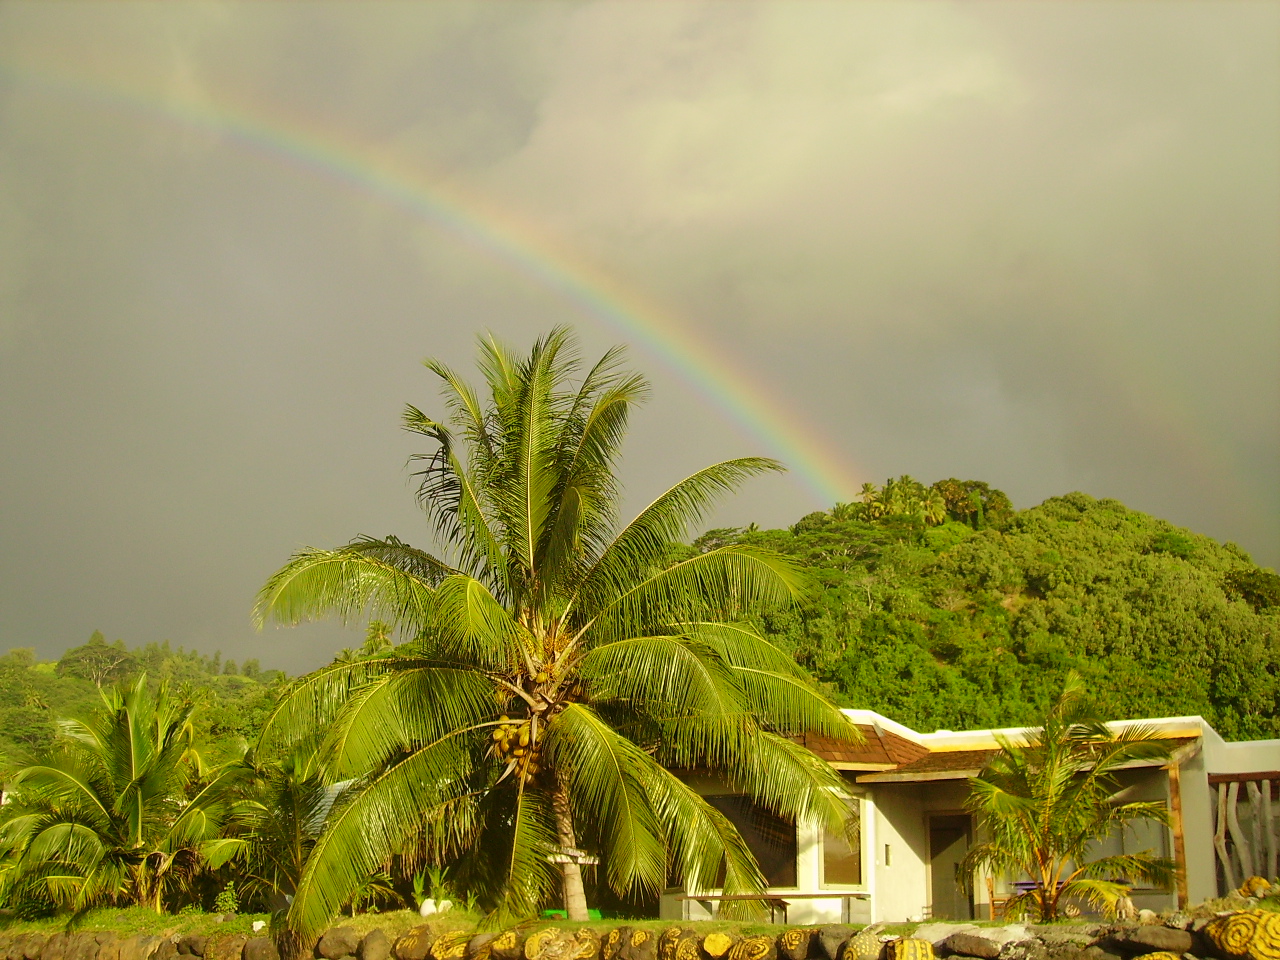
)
(512, 741)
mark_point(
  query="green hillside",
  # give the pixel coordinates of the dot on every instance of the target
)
(947, 626)
(34, 695)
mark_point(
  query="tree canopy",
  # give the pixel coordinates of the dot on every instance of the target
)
(947, 626)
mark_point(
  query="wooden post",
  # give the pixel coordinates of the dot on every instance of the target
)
(1269, 828)
(1220, 841)
(1179, 843)
(1238, 838)
(1255, 829)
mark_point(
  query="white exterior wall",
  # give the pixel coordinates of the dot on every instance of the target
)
(1253, 756)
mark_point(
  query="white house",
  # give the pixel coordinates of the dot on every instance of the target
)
(913, 830)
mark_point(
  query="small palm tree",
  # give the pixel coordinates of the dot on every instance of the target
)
(283, 805)
(559, 666)
(1044, 803)
(115, 812)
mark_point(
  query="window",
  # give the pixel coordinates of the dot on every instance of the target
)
(842, 852)
(771, 839)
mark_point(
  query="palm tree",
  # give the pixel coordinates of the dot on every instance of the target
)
(108, 816)
(935, 507)
(276, 823)
(873, 504)
(558, 668)
(1043, 804)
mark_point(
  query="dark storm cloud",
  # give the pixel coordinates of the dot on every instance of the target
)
(1034, 244)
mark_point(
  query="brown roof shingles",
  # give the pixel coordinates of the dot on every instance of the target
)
(879, 748)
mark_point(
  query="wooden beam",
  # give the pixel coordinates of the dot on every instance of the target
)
(1216, 778)
(1255, 828)
(1269, 826)
(1179, 842)
(1220, 840)
(1238, 839)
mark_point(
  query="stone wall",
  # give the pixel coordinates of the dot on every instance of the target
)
(1239, 935)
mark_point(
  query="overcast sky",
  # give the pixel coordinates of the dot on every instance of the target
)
(1031, 243)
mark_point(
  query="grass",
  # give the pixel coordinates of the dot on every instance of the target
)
(128, 921)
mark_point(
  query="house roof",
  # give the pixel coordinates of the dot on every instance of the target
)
(939, 765)
(880, 749)
(961, 764)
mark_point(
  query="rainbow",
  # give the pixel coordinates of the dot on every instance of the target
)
(502, 235)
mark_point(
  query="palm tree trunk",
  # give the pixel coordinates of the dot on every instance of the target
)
(575, 897)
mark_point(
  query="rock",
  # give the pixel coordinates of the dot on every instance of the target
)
(1097, 952)
(1024, 950)
(1009, 933)
(31, 945)
(549, 943)
(587, 945)
(714, 945)
(1148, 916)
(757, 947)
(192, 945)
(416, 944)
(1153, 939)
(794, 943)
(641, 944)
(225, 948)
(133, 948)
(832, 938)
(81, 946)
(1246, 933)
(1077, 937)
(478, 946)
(678, 943)
(865, 944)
(55, 948)
(376, 945)
(507, 945)
(971, 945)
(611, 943)
(260, 948)
(166, 949)
(450, 946)
(911, 948)
(337, 943)
(935, 933)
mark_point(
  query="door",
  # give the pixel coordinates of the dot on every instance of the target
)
(949, 836)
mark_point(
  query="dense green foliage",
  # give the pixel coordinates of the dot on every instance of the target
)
(35, 695)
(948, 626)
(120, 809)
